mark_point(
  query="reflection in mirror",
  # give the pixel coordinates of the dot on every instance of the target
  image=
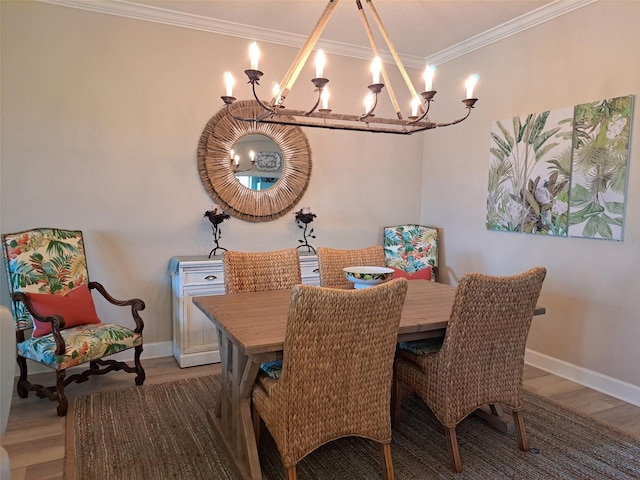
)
(256, 161)
(280, 173)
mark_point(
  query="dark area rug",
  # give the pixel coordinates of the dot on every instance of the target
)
(161, 432)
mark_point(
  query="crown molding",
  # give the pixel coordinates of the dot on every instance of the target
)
(148, 13)
(512, 27)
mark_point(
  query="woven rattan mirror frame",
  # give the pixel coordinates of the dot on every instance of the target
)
(218, 138)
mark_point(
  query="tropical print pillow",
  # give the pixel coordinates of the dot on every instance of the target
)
(411, 247)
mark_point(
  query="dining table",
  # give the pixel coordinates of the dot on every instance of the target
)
(251, 328)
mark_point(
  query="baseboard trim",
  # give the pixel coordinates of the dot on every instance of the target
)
(624, 391)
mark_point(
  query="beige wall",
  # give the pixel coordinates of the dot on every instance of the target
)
(101, 116)
(592, 288)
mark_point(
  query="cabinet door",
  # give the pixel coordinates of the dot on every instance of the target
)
(198, 337)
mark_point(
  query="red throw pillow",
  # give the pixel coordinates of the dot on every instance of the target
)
(76, 307)
(424, 274)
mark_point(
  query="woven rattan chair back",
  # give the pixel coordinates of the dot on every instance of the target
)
(261, 271)
(331, 261)
(482, 357)
(337, 368)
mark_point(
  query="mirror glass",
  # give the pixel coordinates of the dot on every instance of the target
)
(266, 188)
(256, 161)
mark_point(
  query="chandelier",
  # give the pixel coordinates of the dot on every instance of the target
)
(274, 110)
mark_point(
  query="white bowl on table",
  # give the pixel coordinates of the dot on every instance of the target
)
(363, 276)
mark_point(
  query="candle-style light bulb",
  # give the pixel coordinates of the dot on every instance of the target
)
(376, 66)
(276, 93)
(471, 83)
(325, 98)
(252, 156)
(254, 55)
(228, 83)
(232, 153)
(236, 160)
(415, 103)
(321, 61)
(429, 71)
(368, 102)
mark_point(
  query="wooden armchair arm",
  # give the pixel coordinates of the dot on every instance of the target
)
(135, 303)
(57, 322)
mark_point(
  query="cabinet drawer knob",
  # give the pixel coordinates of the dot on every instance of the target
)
(210, 277)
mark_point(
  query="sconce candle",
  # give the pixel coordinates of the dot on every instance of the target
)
(376, 66)
(325, 98)
(415, 103)
(254, 55)
(429, 71)
(321, 61)
(471, 83)
(228, 83)
(368, 102)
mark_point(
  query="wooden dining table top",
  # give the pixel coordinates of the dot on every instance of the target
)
(257, 321)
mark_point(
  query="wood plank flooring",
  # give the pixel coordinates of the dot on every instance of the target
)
(35, 434)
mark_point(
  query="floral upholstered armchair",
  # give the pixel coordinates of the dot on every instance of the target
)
(412, 249)
(51, 298)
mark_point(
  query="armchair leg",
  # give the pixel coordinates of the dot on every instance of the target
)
(23, 383)
(454, 452)
(521, 434)
(141, 375)
(387, 462)
(63, 404)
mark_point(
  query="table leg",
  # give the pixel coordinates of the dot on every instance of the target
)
(494, 416)
(231, 417)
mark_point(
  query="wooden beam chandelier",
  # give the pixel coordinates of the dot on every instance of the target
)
(276, 112)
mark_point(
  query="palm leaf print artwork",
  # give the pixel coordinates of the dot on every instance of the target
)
(561, 172)
(599, 168)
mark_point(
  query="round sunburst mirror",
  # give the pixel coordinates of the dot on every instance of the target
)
(267, 186)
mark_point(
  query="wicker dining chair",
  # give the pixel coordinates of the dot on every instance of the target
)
(482, 357)
(261, 271)
(56, 323)
(333, 384)
(331, 261)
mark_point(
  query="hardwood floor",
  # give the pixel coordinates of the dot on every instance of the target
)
(35, 434)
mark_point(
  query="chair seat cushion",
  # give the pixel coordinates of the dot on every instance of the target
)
(84, 343)
(421, 347)
(273, 369)
(76, 308)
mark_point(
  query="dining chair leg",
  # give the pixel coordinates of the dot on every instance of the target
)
(291, 473)
(396, 401)
(387, 462)
(521, 433)
(256, 424)
(454, 452)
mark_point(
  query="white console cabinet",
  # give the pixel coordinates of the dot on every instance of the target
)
(194, 337)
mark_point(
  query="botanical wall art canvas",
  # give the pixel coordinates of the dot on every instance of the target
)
(561, 172)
